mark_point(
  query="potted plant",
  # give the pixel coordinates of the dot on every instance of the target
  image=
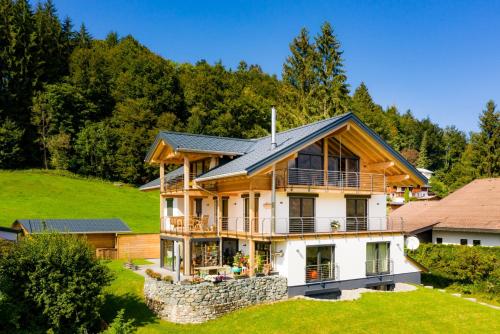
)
(266, 269)
(258, 265)
(335, 225)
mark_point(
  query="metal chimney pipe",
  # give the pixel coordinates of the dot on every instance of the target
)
(273, 128)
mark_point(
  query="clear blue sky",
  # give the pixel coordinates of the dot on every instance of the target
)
(439, 59)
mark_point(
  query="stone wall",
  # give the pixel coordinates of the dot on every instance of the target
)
(201, 302)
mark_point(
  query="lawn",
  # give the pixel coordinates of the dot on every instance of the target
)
(421, 311)
(47, 194)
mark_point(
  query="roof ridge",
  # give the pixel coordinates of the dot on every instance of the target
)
(209, 136)
(309, 124)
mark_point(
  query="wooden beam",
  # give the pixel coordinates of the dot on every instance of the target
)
(325, 161)
(397, 178)
(380, 165)
(339, 131)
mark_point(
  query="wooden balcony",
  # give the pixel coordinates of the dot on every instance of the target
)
(330, 180)
(197, 225)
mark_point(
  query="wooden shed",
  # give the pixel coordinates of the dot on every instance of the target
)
(100, 233)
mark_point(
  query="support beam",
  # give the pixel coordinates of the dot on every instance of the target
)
(380, 165)
(251, 257)
(397, 178)
(325, 161)
(187, 202)
(251, 211)
(162, 176)
(187, 256)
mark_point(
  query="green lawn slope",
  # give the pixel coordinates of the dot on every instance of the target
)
(48, 194)
(420, 311)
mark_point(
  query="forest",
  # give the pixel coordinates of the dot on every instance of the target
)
(72, 102)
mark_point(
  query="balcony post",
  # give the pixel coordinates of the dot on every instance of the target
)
(162, 200)
(325, 161)
(162, 176)
(251, 211)
(219, 214)
(187, 240)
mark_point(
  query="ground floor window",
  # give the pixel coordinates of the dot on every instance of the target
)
(320, 263)
(205, 253)
(463, 242)
(229, 249)
(169, 254)
(476, 242)
(377, 258)
(439, 240)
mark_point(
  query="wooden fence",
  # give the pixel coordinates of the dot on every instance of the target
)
(138, 246)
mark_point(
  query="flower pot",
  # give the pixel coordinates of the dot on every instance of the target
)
(236, 270)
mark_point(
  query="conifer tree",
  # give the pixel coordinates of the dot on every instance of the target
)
(423, 159)
(487, 142)
(333, 91)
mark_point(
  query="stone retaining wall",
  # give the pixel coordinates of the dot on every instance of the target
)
(201, 302)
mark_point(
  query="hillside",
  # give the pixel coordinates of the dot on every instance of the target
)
(46, 194)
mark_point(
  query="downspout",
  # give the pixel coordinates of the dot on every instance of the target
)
(273, 181)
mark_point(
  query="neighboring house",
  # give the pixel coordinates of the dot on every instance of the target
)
(468, 216)
(310, 202)
(100, 233)
(420, 192)
(9, 234)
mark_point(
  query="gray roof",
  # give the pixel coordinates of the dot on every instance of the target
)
(187, 142)
(257, 153)
(112, 225)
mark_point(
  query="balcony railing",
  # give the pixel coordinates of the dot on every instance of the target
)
(307, 225)
(321, 272)
(176, 184)
(196, 225)
(351, 181)
(379, 267)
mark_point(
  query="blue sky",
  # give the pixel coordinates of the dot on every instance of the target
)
(439, 59)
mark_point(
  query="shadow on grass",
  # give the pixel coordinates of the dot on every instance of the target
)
(437, 280)
(135, 308)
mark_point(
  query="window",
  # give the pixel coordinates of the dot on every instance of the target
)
(301, 213)
(463, 242)
(439, 240)
(377, 258)
(205, 253)
(476, 242)
(170, 207)
(263, 249)
(198, 202)
(320, 263)
(356, 211)
(168, 251)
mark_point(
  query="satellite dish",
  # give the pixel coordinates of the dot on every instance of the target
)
(412, 243)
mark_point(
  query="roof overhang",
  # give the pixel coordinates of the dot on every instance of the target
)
(467, 229)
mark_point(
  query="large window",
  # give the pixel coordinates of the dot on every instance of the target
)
(356, 213)
(377, 258)
(246, 211)
(320, 263)
(205, 253)
(301, 214)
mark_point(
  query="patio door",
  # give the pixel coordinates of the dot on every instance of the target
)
(301, 214)
(356, 214)
(377, 258)
(225, 213)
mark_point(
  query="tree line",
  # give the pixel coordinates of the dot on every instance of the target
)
(72, 102)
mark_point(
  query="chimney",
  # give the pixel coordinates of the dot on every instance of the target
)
(273, 128)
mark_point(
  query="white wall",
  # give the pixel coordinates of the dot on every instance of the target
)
(453, 238)
(350, 256)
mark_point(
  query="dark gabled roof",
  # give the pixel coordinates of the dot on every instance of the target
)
(261, 154)
(10, 230)
(188, 142)
(155, 184)
(112, 225)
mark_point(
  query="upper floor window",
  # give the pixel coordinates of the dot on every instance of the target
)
(199, 167)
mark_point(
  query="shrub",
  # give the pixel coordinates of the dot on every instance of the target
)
(52, 283)
(168, 278)
(120, 326)
(153, 274)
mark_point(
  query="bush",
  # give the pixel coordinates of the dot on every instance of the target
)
(153, 274)
(120, 326)
(168, 278)
(462, 268)
(52, 283)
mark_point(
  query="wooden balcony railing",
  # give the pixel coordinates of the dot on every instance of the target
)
(196, 225)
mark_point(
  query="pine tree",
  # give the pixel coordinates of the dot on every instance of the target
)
(332, 89)
(298, 71)
(487, 143)
(423, 160)
(83, 37)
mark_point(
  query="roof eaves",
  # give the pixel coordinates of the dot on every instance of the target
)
(209, 178)
(189, 150)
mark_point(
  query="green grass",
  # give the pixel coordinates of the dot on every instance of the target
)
(421, 311)
(47, 194)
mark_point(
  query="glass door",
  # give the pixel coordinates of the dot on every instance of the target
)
(301, 214)
(356, 214)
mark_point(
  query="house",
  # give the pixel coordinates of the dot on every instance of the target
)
(418, 192)
(100, 233)
(309, 203)
(9, 234)
(468, 216)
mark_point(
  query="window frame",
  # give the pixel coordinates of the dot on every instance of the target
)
(464, 242)
(331, 274)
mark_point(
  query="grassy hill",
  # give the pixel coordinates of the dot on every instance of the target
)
(48, 194)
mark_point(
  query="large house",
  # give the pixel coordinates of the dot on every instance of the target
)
(468, 216)
(310, 203)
